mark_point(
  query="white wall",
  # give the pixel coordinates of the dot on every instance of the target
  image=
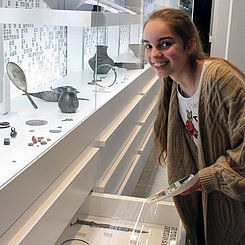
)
(167, 3)
(228, 31)
(236, 45)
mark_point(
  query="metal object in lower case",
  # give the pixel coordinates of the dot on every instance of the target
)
(107, 226)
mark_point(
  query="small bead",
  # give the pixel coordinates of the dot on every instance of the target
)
(34, 139)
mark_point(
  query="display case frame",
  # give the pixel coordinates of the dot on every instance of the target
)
(102, 147)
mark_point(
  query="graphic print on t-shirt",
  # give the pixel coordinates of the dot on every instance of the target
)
(190, 126)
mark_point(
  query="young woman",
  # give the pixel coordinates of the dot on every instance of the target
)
(200, 128)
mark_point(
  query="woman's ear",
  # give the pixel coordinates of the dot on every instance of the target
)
(191, 46)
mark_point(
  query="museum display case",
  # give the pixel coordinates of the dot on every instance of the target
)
(123, 220)
(86, 133)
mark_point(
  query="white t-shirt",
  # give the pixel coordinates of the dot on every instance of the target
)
(188, 108)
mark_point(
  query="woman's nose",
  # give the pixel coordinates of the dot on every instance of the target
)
(156, 53)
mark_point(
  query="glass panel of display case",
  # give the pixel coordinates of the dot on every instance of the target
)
(53, 48)
(118, 220)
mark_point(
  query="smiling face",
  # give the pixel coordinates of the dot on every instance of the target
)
(164, 50)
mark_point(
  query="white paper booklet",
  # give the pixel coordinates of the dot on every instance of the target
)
(174, 189)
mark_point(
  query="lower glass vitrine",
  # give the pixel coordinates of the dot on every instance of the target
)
(122, 220)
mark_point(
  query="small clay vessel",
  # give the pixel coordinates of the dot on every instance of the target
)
(68, 102)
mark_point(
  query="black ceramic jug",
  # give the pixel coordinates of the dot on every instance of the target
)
(68, 101)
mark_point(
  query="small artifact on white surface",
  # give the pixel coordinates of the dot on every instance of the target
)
(54, 131)
(17, 76)
(55, 93)
(49, 96)
(107, 226)
(13, 132)
(36, 122)
(68, 102)
(4, 124)
(6, 141)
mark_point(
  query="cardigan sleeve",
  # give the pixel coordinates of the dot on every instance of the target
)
(227, 172)
(221, 177)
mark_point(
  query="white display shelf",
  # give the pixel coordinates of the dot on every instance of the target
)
(68, 167)
(18, 155)
(141, 223)
(65, 17)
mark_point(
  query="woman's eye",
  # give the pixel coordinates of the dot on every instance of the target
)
(165, 44)
(148, 46)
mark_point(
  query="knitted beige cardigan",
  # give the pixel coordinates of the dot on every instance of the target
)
(219, 158)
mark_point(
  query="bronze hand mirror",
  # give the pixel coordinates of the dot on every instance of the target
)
(17, 76)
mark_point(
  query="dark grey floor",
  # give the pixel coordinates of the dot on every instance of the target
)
(148, 176)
